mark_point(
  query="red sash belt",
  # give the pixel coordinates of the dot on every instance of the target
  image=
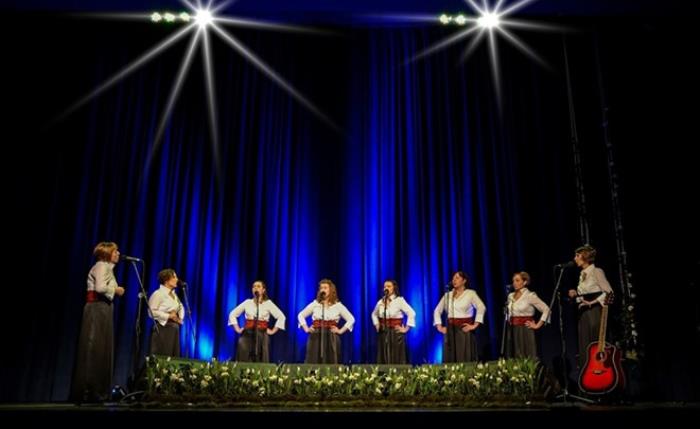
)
(520, 320)
(325, 324)
(391, 323)
(460, 321)
(250, 324)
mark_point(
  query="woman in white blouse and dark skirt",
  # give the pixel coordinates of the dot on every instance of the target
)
(254, 342)
(388, 319)
(323, 345)
(167, 312)
(465, 312)
(590, 295)
(92, 376)
(521, 305)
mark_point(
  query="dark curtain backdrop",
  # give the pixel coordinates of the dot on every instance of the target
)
(426, 177)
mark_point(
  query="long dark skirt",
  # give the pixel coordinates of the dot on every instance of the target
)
(465, 345)
(92, 375)
(520, 342)
(252, 347)
(391, 347)
(588, 330)
(166, 340)
(323, 341)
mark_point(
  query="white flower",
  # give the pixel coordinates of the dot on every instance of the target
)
(634, 333)
(204, 383)
(224, 374)
(480, 366)
(255, 383)
(207, 377)
(630, 307)
(378, 391)
(168, 359)
(397, 386)
(499, 380)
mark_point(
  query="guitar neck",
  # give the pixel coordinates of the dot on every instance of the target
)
(603, 328)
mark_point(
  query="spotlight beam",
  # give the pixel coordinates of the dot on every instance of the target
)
(267, 70)
(262, 25)
(211, 102)
(522, 47)
(222, 6)
(446, 42)
(495, 66)
(475, 6)
(190, 6)
(472, 46)
(517, 6)
(498, 6)
(126, 71)
(115, 16)
(532, 25)
(174, 92)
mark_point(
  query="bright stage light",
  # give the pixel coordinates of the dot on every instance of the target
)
(203, 17)
(489, 21)
(445, 19)
(156, 17)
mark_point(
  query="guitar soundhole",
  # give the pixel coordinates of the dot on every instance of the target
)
(601, 356)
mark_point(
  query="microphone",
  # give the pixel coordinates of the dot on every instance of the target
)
(386, 292)
(509, 287)
(566, 264)
(130, 258)
(448, 287)
(257, 293)
(182, 284)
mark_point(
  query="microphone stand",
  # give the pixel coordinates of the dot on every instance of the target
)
(191, 326)
(387, 332)
(323, 318)
(505, 323)
(254, 353)
(564, 395)
(450, 334)
(143, 298)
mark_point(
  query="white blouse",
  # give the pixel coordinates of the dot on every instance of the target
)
(266, 309)
(526, 305)
(592, 280)
(101, 279)
(162, 302)
(397, 309)
(333, 312)
(466, 305)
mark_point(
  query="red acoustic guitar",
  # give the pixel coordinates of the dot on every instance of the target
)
(602, 373)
